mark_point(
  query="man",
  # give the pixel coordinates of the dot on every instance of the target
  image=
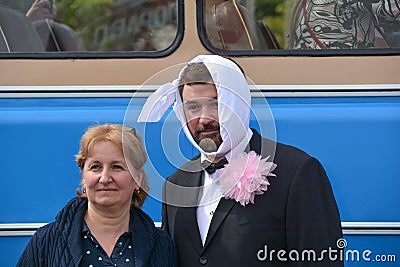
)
(278, 211)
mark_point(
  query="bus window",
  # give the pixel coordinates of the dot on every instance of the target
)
(231, 25)
(301, 24)
(99, 26)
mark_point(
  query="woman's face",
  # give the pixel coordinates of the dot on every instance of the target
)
(107, 180)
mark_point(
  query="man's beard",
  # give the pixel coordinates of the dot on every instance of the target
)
(208, 142)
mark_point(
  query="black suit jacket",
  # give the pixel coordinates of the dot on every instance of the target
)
(289, 225)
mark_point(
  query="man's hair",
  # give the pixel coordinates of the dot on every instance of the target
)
(194, 73)
(198, 73)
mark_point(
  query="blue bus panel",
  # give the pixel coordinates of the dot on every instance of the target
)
(355, 138)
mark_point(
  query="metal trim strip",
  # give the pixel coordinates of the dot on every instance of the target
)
(349, 228)
(139, 91)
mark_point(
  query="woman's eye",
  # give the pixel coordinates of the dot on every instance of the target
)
(118, 167)
(94, 167)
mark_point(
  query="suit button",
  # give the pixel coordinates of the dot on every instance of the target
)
(203, 260)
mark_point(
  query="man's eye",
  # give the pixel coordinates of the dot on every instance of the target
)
(214, 105)
(194, 108)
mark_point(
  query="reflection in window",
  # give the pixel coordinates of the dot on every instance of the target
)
(100, 25)
(301, 24)
(231, 25)
(130, 25)
(343, 24)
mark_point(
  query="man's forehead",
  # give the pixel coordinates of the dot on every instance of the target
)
(199, 84)
(199, 90)
(200, 99)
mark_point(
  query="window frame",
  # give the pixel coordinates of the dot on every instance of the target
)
(285, 52)
(109, 54)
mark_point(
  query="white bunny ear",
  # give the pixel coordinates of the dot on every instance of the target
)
(158, 102)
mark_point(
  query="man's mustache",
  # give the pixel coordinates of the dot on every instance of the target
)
(207, 127)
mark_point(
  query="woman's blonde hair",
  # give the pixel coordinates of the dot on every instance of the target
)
(130, 143)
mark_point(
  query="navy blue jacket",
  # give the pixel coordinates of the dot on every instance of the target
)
(59, 243)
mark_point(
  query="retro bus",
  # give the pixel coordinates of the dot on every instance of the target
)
(66, 65)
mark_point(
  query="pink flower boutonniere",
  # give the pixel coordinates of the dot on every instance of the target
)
(246, 176)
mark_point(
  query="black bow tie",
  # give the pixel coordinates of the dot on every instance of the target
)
(211, 167)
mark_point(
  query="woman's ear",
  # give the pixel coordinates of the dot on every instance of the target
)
(83, 184)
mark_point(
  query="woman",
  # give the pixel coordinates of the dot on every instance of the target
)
(104, 226)
(341, 24)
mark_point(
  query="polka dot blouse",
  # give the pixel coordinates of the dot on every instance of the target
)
(93, 255)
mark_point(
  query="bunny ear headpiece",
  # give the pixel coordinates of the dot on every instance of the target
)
(234, 101)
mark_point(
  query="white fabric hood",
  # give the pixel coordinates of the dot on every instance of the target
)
(234, 102)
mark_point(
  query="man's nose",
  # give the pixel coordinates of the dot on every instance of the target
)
(205, 119)
(208, 114)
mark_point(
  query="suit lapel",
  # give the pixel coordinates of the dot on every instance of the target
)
(263, 147)
(188, 213)
(255, 142)
(191, 227)
(223, 209)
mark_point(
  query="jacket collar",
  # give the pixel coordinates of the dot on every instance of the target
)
(70, 220)
(143, 237)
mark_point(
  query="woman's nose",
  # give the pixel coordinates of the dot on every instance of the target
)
(105, 176)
